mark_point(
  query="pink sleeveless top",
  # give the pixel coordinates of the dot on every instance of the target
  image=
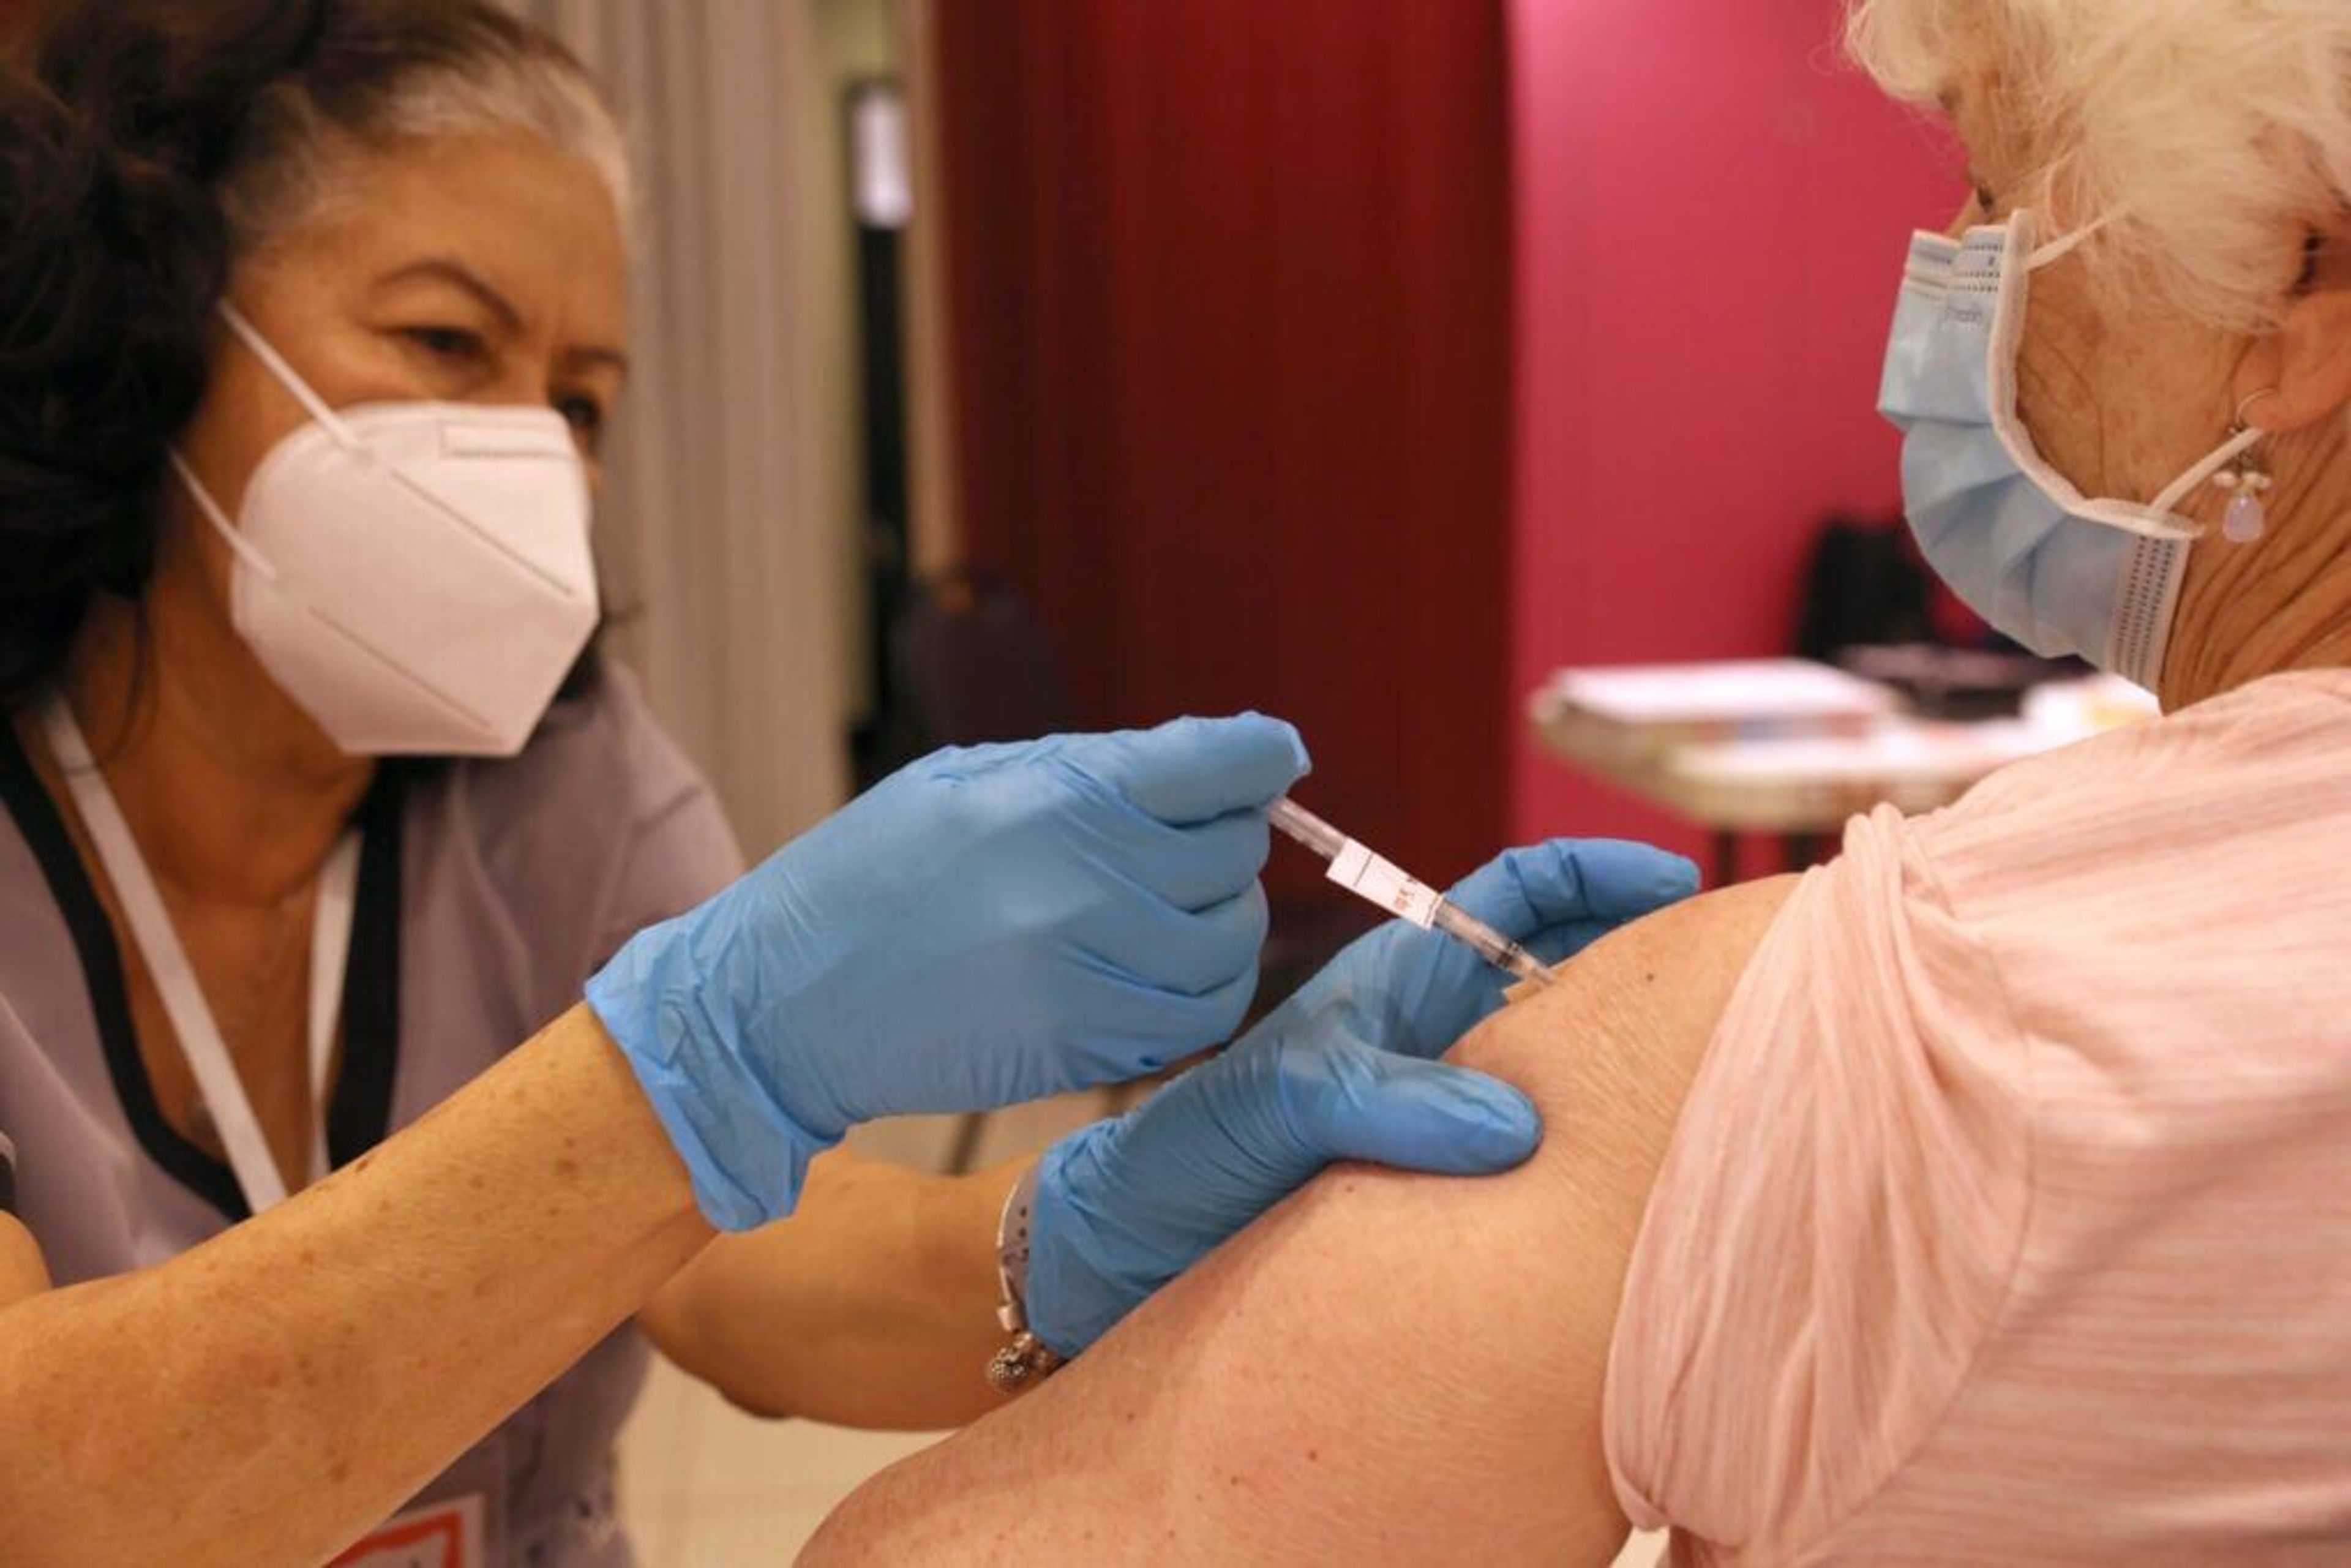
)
(2010, 1216)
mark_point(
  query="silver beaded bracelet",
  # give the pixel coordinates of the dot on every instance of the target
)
(1027, 1360)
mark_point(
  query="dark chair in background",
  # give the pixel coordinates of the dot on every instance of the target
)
(1864, 586)
(1870, 605)
(968, 664)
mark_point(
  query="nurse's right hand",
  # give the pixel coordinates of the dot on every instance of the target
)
(986, 926)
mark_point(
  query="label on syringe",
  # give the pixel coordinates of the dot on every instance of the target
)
(1362, 872)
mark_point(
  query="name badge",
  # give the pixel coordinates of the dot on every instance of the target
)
(444, 1534)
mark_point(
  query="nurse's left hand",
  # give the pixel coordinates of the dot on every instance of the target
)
(1344, 1069)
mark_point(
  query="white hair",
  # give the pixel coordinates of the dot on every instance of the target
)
(2214, 135)
(549, 98)
(298, 145)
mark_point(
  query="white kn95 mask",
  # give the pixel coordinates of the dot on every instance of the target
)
(416, 576)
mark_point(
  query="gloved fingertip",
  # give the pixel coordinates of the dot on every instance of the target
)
(1300, 762)
(1195, 771)
(1460, 1123)
(1504, 1127)
(1622, 880)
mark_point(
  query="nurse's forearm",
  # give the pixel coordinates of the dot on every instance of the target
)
(874, 1305)
(269, 1396)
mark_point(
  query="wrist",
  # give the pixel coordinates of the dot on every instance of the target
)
(1069, 1295)
(621, 1160)
(638, 1139)
(746, 1155)
(1025, 1359)
(959, 1240)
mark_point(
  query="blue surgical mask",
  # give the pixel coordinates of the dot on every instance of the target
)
(2060, 572)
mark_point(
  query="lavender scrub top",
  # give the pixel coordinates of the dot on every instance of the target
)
(488, 892)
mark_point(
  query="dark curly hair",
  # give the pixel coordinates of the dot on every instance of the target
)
(144, 148)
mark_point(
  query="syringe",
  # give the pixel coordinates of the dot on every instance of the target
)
(1382, 883)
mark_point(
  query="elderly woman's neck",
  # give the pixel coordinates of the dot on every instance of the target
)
(2282, 602)
(233, 793)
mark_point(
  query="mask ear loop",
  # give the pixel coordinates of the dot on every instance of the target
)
(2239, 443)
(287, 377)
(312, 404)
(2064, 244)
(2020, 259)
(2166, 505)
(229, 534)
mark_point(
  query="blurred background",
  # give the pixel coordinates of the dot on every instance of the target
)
(1036, 362)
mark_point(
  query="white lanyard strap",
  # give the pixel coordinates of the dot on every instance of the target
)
(330, 951)
(175, 978)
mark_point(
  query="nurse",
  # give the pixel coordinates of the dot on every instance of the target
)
(318, 800)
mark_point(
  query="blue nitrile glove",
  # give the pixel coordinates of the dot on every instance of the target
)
(1343, 1070)
(986, 926)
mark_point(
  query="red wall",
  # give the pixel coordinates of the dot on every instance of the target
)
(1711, 216)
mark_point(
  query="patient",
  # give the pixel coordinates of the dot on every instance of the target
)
(1984, 1196)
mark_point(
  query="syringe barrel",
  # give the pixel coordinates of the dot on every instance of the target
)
(1307, 827)
(1369, 876)
(1489, 944)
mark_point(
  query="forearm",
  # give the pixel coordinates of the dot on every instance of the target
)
(874, 1305)
(302, 1373)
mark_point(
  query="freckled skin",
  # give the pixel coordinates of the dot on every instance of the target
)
(277, 1349)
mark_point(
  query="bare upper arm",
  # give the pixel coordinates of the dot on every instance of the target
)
(1387, 1368)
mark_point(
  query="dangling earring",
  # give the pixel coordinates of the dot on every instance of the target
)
(2247, 480)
